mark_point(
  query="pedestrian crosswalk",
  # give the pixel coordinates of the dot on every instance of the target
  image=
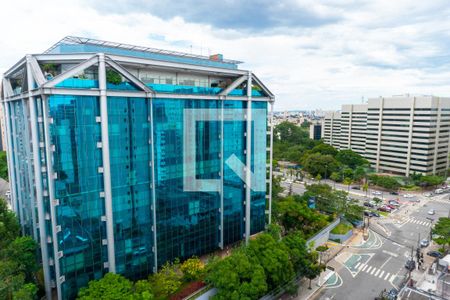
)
(415, 221)
(376, 272)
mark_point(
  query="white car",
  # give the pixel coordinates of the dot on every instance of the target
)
(408, 196)
(431, 212)
(376, 193)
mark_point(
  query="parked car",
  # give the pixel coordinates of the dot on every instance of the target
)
(392, 207)
(356, 188)
(424, 243)
(368, 204)
(384, 208)
(428, 194)
(367, 213)
(376, 193)
(438, 191)
(394, 203)
(410, 265)
(431, 212)
(374, 214)
(393, 193)
(436, 254)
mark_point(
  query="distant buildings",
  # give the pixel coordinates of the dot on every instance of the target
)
(315, 131)
(398, 135)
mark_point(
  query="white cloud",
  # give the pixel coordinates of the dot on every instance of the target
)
(376, 48)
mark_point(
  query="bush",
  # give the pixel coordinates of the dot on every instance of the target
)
(188, 290)
(113, 77)
(341, 228)
(193, 269)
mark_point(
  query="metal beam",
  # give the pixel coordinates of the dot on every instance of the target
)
(248, 156)
(63, 57)
(222, 175)
(270, 161)
(51, 193)
(36, 72)
(233, 85)
(14, 68)
(39, 194)
(106, 163)
(152, 141)
(74, 71)
(262, 86)
(124, 72)
(7, 88)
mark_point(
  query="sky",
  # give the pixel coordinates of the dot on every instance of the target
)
(312, 54)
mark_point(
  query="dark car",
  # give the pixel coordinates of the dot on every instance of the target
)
(393, 193)
(368, 204)
(436, 254)
(356, 188)
(374, 214)
(384, 208)
(367, 213)
(410, 265)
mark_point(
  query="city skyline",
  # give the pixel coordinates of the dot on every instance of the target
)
(316, 55)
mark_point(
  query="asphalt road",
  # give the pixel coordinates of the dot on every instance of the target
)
(367, 270)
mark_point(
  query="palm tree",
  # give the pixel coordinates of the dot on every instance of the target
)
(348, 182)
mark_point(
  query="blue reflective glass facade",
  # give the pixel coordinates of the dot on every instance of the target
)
(140, 214)
(76, 159)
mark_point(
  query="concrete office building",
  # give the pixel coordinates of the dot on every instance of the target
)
(315, 131)
(398, 135)
(124, 157)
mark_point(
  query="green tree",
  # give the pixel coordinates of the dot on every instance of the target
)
(22, 251)
(276, 187)
(359, 173)
(143, 290)
(347, 181)
(431, 180)
(111, 286)
(365, 187)
(442, 231)
(193, 269)
(335, 176)
(9, 225)
(167, 281)
(26, 292)
(377, 200)
(113, 77)
(237, 277)
(318, 177)
(351, 159)
(273, 257)
(324, 149)
(317, 163)
(312, 271)
(3, 166)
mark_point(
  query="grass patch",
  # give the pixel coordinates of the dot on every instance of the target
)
(411, 188)
(341, 228)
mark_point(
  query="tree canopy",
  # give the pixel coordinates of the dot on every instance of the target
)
(350, 158)
(442, 231)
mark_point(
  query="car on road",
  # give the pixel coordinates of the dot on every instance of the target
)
(424, 243)
(356, 188)
(376, 193)
(434, 253)
(8, 193)
(408, 196)
(394, 203)
(374, 214)
(428, 194)
(384, 208)
(439, 191)
(393, 193)
(431, 212)
(410, 265)
(368, 204)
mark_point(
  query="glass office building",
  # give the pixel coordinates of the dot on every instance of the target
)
(122, 157)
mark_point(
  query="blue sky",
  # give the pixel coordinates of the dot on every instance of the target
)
(312, 54)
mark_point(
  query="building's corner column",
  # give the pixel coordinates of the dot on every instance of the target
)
(152, 142)
(51, 192)
(38, 184)
(271, 163)
(248, 167)
(410, 136)
(106, 163)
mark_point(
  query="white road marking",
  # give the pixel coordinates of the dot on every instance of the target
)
(389, 258)
(376, 273)
(361, 266)
(392, 278)
(357, 265)
(365, 266)
(373, 271)
(381, 274)
(387, 276)
(368, 269)
(390, 253)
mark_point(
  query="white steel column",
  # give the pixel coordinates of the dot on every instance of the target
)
(152, 141)
(271, 162)
(38, 186)
(248, 167)
(106, 162)
(51, 192)
(410, 135)
(12, 173)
